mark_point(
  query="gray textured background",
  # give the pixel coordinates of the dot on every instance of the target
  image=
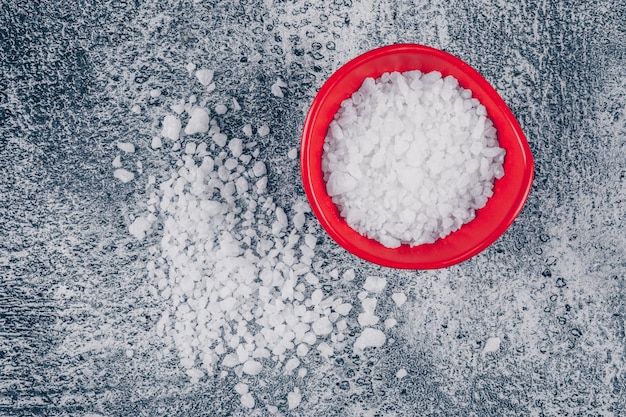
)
(74, 296)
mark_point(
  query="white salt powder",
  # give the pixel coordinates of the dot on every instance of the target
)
(409, 157)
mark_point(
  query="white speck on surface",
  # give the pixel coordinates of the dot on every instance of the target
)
(294, 398)
(401, 373)
(399, 298)
(139, 227)
(247, 130)
(276, 88)
(126, 147)
(156, 142)
(369, 338)
(293, 153)
(117, 162)
(247, 400)
(136, 109)
(123, 175)
(154, 93)
(199, 121)
(171, 127)
(264, 130)
(491, 345)
(220, 109)
(205, 76)
(374, 284)
(236, 106)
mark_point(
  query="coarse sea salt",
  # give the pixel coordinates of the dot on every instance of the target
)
(410, 157)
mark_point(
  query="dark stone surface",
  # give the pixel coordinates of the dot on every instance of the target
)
(75, 298)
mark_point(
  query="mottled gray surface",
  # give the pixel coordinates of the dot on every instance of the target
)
(76, 315)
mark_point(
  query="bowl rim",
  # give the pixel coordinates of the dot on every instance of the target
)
(313, 194)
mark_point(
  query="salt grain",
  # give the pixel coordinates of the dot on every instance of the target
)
(126, 147)
(123, 175)
(205, 76)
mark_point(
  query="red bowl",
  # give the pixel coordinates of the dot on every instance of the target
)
(510, 192)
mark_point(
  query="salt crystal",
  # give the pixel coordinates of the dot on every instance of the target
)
(325, 349)
(401, 373)
(126, 147)
(294, 398)
(220, 109)
(264, 130)
(156, 142)
(241, 388)
(236, 147)
(491, 345)
(154, 93)
(252, 367)
(322, 326)
(117, 162)
(293, 153)
(247, 400)
(374, 284)
(205, 76)
(171, 127)
(247, 130)
(199, 121)
(276, 88)
(291, 364)
(123, 175)
(139, 227)
(399, 298)
(390, 322)
(136, 109)
(369, 337)
(259, 169)
(236, 105)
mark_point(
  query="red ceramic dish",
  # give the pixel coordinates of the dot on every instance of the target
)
(510, 192)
